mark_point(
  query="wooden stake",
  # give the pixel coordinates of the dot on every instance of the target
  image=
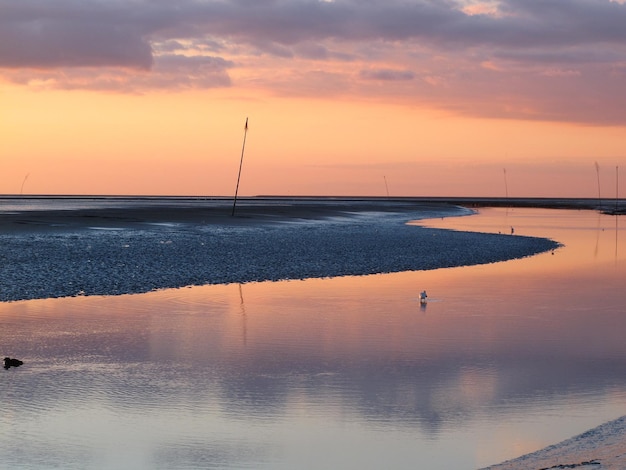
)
(245, 132)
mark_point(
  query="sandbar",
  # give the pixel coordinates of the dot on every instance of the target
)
(114, 247)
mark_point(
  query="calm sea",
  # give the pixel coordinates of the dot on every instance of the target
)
(345, 373)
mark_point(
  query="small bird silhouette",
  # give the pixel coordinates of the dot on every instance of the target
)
(9, 362)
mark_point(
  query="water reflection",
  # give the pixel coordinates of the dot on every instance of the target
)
(329, 373)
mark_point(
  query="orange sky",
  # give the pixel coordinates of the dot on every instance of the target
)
(344, 97)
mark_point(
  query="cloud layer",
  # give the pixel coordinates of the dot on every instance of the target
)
(536, 59)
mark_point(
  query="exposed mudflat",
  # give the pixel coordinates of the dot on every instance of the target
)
(140, 247)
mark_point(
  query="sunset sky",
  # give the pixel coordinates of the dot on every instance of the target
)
(344, 97)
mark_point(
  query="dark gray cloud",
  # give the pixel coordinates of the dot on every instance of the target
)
(64, 33)
(168, 72)
(387, 74)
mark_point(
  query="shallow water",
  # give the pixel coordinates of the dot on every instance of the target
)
(347, 373)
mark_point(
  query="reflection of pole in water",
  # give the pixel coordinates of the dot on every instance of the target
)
(616, 232)
(595, 253)
(243, 316)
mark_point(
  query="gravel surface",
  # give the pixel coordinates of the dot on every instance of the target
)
(139, 257)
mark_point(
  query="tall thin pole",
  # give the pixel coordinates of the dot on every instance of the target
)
(23, 183)
(243, 147)
(616, 187)
(598, 176)
(386, 187)
(506, 186)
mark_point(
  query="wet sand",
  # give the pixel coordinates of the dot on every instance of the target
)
(248, 211)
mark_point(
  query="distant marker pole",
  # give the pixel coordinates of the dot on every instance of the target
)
(598, 177)
(23, 183)
(243, 147)
(506, 186)
(616, 187)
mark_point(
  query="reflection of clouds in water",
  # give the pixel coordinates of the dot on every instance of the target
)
(222, 453)
(434, 374)
(247, 396)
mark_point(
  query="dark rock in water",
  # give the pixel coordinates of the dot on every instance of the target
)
(9, 362)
